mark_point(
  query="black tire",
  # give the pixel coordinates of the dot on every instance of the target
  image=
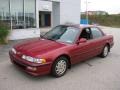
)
(105, 51)
(56, 69)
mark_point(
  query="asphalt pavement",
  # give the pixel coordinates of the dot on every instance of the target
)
(94, 74)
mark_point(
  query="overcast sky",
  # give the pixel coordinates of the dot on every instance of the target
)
(111, 6)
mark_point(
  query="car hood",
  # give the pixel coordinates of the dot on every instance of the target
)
(38, 46)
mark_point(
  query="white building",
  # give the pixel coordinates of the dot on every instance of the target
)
(27, 16)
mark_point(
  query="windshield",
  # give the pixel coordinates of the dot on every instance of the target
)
(62, 33)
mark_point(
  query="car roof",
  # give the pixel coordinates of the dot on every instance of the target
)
(84, 25)
(80, 26)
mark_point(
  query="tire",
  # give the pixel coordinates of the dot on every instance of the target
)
(59, 67)
(105, 52)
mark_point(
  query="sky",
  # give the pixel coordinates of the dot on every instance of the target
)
(110, 6)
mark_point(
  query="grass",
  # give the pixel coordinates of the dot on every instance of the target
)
(105, 20)
(4, 32)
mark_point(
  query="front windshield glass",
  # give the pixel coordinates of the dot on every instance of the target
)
(62, 33)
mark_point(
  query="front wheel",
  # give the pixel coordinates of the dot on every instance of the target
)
(59, 67)
(105, 51)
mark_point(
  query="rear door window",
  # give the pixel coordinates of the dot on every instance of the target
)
(96, 33)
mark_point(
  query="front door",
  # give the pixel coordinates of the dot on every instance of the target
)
(82, 51)
(93, 46)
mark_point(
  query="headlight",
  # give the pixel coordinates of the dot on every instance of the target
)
(35, 60)
(40, 61)
(13, 50)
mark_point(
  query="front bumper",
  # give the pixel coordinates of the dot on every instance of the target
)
(38, 69)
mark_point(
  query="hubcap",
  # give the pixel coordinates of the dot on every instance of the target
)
(61, 67)
(106, 51)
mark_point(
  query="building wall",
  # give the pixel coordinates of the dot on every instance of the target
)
(66, 11)
(44, 5)
(24, 33)
(20, 15)
(62, 11)
(70, 11)
(55, 14)
(37, 13)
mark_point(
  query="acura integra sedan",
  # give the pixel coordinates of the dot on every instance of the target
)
(65, 45)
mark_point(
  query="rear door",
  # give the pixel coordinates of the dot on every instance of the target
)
(97, 40)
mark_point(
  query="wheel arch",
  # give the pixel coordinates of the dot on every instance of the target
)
(108, 44)
(66, 56)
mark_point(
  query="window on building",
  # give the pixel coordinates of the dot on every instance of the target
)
(29, 10)
(5, 11)
(17, 14)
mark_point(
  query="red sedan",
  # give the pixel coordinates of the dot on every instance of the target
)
(59, 48)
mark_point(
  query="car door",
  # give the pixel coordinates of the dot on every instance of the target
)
(97, 40)
(91, 48)
(82, 51)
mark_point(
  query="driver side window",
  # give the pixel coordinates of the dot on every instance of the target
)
(86, 33)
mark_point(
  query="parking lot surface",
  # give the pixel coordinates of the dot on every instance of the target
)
(94, 74)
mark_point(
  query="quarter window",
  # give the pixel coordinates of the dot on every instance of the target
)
(96, 33)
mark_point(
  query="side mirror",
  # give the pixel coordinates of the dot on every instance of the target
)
(82, 40)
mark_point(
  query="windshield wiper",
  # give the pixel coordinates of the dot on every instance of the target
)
(42, 36)
(50, 39)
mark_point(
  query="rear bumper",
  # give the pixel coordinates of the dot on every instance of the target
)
(32, 69)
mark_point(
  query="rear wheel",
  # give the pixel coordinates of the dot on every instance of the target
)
(60, 67)
(105, 51)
